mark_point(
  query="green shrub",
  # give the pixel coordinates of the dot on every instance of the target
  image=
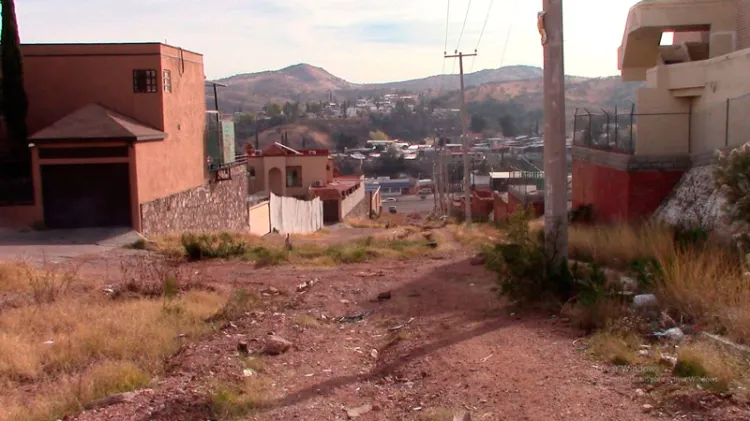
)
(211, 246)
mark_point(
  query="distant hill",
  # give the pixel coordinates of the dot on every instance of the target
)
(304, 82)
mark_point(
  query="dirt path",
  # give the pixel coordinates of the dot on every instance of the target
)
(459, 348)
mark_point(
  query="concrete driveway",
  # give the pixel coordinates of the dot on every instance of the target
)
(54, 246)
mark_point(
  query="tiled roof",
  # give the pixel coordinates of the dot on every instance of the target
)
(96, 122)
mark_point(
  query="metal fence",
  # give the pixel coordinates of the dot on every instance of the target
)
(705, 128)
(615, 130)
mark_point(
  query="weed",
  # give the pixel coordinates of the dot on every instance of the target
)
(238, 304)
(713, 366)
(212, 246)
(615, 348)
(306, 320)
(264, 256)
(230, 401)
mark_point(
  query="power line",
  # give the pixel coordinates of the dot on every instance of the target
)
(484, 26)
(461, 35)
(507, 36)
(445, 48)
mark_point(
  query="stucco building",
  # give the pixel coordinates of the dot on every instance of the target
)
(307, 174)
(117, 138)
(696, 100)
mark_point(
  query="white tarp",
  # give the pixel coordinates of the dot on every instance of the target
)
(294, 216)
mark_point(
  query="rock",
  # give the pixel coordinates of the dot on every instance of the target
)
(384, 296)
(668, 360)
(242, 348)
(478, 260)
(645, 301)
(271, 291)
(276, 345)
(643, 352)
(357, 412)
(647, 407)
(115, 399)
(462, 416)
(640, 393)
(674, 334)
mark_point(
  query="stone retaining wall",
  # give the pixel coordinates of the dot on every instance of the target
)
(217, 206)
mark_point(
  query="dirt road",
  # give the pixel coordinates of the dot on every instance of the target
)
(443, 342)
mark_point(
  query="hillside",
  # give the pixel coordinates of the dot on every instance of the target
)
(303, 82)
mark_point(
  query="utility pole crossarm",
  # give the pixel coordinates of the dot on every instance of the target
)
(459, 55)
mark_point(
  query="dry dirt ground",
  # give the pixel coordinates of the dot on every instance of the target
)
(442, 343)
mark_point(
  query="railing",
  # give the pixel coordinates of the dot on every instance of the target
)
(705, 128)
(615, 130)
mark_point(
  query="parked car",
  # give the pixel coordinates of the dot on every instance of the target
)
(392, 209)
(425, 192)
(391, 199)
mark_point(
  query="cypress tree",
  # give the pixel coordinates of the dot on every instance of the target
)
(14, 104)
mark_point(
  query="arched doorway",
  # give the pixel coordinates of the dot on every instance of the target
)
(276, 182)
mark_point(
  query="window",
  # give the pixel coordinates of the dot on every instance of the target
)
(294, 176)
(144, 81)
(167, 81)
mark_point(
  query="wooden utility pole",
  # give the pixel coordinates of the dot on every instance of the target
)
(465, 139)
(550, 26)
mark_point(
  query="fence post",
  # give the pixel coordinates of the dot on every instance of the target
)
(606, 115)
(726, 124)
(617, 130)
(590, 136)
(575, 125)
(632, 121)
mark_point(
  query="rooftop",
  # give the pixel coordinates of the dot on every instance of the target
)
(96, 122)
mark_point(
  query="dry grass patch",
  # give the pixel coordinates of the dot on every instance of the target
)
(437, 414)
(618, 245)
(366, 223)
(68, 335)
(708, 286)
(43, 285)
(69, 394)
(306, 320)
(706, 363)
(615, 347)
(235, 401)
(480, 235)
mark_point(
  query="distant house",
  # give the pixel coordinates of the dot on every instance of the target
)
(306, 174)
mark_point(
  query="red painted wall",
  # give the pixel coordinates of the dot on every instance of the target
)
(619, 195)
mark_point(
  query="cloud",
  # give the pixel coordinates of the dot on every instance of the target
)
(374, 41)
(402, 33)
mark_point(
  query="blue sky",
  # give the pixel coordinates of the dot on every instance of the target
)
(361, 41)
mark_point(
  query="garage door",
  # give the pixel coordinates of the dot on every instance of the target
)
(86, 195)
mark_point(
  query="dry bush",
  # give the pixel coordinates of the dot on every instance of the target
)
(618, 245)
(44, 284)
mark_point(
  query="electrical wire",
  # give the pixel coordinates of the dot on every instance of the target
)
(461, 35)
(445, 48)
(507, 36)
(484, 26)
